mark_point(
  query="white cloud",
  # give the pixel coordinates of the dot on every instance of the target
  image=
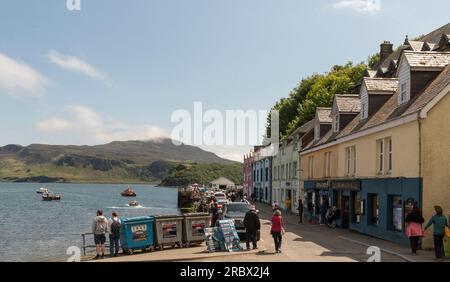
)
(363, 6)
(18, 78)
(89, 127)
(234, 153)
(75, 64)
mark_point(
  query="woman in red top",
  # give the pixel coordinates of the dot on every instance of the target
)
(277, 229)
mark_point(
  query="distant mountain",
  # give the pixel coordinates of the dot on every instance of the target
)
(121, 162)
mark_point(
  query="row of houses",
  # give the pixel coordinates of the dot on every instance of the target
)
(375, 153)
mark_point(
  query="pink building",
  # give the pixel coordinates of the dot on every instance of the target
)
(248, 174)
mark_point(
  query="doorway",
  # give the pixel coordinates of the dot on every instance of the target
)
(345, 212)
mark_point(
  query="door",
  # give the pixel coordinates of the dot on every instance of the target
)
(345, 211)
(288, 199)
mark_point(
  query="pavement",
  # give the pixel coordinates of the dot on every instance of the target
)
(302, 242)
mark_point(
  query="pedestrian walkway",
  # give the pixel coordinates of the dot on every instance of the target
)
(345, 242)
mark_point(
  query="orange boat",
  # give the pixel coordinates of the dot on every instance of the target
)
(128, 192)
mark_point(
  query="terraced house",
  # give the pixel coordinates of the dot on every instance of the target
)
(286, 169)
(387, 148)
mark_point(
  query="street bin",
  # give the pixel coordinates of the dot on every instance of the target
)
(137, 234)
(168, 230)
(194, 225)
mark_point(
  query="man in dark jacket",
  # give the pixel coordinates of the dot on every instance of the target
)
(252, 226)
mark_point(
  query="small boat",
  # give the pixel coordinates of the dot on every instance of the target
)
(133, 204)
(128, 192)
(50, 197)
(43, 190)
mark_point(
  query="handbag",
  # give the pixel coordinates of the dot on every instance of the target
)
(447, 232)
(282, 231)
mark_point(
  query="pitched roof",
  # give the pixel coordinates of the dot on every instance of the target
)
(222, 181)
(435, 87)
(348, 103)
(416, 45)
(391, 111)
(427, 59)
(381, 84)
(324, 115)
(307, 126)
(435, 36)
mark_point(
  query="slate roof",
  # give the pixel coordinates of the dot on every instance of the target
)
(435, 36)
(348, 103)
(427, 59)
(390, 110)
(324, 115)
(381, 84)
(416, 45)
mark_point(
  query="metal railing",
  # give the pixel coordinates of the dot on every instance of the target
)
(85, 245)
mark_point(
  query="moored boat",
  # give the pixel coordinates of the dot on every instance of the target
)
(133, 204)
(50, 197)
(129, 192)
(43, 190)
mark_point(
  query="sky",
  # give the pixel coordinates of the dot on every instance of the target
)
(118, 70)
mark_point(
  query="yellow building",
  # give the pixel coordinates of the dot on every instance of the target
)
(392, 155)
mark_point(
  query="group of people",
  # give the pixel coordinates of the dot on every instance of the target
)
(252, 226)
(100, 227)
(415, 232)
(327, 216)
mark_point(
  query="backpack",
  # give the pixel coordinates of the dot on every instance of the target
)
(115, 227)
(101, 225)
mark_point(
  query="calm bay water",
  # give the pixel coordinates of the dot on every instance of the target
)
(35, 230)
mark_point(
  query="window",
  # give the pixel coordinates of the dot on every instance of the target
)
(350, 161)
(364, 112)
(396, 204)
(279, 175)
(374, 209)
(290, 171)
(384, 156)
(380, 145)
(311, 167)
(327, 168)
(336, 123)
(317, 132)
(282, 172)
(295, 170)
(295, 146)
(267, 174)
(337, 199)
(403, 92)
(389, 155)
(357, 207)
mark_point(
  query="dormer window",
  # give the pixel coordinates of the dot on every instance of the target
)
(317, 132)
(364, 111)
(403, 93)
(336, 123)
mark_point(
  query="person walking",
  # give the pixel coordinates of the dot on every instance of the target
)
(277, 230)
(323, 211)
(300, 210)
(99, 228)
(311, 211)
(439, 221)
(252, 226)
(414, 229)
(288, 205)
(114, 225)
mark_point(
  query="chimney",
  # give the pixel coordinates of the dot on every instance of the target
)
(386, 49)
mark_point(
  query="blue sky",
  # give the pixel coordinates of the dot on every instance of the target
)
(116, 70)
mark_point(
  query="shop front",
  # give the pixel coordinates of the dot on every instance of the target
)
(315, 193)
(376, 207)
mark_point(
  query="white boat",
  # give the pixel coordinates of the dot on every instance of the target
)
(43, 190)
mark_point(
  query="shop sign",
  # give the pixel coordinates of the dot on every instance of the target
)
(346, 185)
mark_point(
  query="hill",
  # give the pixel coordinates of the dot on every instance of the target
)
(116, 162)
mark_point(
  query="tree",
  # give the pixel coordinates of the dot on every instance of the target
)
(315, 91)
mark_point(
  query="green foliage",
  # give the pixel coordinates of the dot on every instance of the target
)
(188, 173)
(315, 91)
(373, 60)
